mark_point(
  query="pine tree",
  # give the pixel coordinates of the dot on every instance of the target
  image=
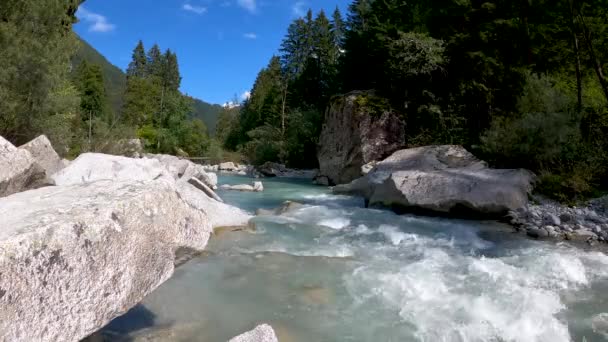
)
(138, 65)
(155, 62)
(171, 76)
(338, 30)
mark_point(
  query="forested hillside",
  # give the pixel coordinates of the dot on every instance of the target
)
(520, 83)
(54, 83)
(115, 80)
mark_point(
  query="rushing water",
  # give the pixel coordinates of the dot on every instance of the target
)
(335, 271)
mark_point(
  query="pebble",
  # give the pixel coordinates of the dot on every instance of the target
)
(587, 223)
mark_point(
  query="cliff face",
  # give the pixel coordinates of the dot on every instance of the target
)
(359, 128)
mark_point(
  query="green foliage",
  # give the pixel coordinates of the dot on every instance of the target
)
(36, 44)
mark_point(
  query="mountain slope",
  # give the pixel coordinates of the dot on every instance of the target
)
(115, 79)
(208, 113)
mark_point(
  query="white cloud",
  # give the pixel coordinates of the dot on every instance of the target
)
(250, 35)
(97, 22)
(246, 95)
(231, 104)
(249, 5)
(298, 9)
(194, 9)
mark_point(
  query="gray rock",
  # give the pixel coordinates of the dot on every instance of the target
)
(243, 187)
(45, 156)
(599, 323)
(483, 191)
(18, 169)
(205, 189)
(354, 134)
(537, 233)
(75, 257)
(219, 214)
(262, 333)
(551, 219)
(444, 179)
(227, 166)
(258, 186)
(198, 172)
(583, 234)
(321, 180)
(176, 166)
(566, 217)
(91, 167)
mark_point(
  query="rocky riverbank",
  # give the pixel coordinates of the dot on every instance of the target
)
(83, 242)
(587, 222)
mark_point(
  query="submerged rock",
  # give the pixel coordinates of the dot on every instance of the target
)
(75, 257)
(255, 187)
(444, 179)
(18, 169)
(357, 131)
(261, 333)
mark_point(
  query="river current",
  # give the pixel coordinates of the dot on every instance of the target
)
(332, 270)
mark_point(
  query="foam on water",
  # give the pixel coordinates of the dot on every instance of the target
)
(327, 271)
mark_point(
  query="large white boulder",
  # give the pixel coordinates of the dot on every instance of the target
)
(261, 333)
(72, 258)
(444, 179)
(198, 171)
(45, 156)
(176, 166)
(220, 214)
(91, 167)
(18, 169)
(227, 166)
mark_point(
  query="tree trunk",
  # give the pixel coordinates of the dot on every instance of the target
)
(577, 56)
(90, 130)
(597, 66)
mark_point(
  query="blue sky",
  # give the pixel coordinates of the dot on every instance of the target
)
(221, 44)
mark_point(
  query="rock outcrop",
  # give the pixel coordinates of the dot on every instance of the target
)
(91, 167)
(74, 257)
(176, 166)
(261, 333)
(219, 214)
(357, 130)
(44, 155)
(444, 179)
(18, 169)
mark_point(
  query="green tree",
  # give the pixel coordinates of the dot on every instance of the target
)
(138, 65)
(36, 45)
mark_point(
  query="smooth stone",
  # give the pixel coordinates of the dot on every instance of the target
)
(261, 333)
(537, 233)
(18, 169)
(551, 219)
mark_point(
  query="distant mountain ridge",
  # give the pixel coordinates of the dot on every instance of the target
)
(115, 81)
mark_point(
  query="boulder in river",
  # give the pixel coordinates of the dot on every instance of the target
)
(357, 130)
(18, 169)
(45, 156)
(255, 187)
(219, 214)
(227, 166)
(261, 333)
(75, 257)
(443, 179)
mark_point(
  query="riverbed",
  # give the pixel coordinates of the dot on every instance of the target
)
(332, 270)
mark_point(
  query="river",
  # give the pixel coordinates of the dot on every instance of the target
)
(332, 270)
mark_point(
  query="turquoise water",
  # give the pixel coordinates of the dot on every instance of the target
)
(332, 270)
